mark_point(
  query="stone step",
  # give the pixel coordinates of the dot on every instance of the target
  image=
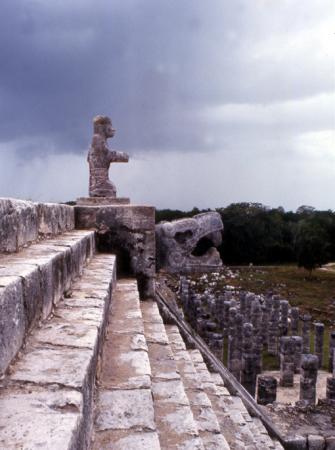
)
(239, 428)
(206, 420)
(124, 412)
(176, 426)
(46, 400)
(33, 281)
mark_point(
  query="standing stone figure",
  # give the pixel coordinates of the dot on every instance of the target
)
(100, 157)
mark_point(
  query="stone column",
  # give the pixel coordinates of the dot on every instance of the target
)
(331, 350)
(256, 320)
(298, 353)
(266, 319)
(287, 363)
(306, 333)
(248, 372)
(193, 309)
(248, 302)
(211, 304)
(283, 324)
(184, 288)
(219, 311)
(294, 316)
(309, 373)
(319, 330)
(242, 297)
(266, 389)
(233, 357)
(239, 345)
(274, 327)
(330, 391)
(226, 306)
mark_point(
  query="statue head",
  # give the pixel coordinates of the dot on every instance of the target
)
(103, 125)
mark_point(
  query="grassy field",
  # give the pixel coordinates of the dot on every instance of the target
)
(314, 295)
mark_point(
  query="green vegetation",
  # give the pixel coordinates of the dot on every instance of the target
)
(254, 233)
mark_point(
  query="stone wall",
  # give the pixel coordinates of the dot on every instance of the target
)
(23, 222)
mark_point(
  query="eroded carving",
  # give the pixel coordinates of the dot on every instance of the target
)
(100, 158)
(189, 245)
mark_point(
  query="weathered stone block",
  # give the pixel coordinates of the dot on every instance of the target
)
(31, 286)
(54, 218)
(18, 224)
(267, 389)
(316, 442)
(12, 319)
(296, 443)
(41, 418)
(125, 409)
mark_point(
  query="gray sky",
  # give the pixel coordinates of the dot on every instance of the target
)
(216, 102)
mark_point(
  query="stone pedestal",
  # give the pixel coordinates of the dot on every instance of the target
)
(287, 361)
(266, 389)
(294, 316)
(127, 231)
(309, 373)
(98, 201)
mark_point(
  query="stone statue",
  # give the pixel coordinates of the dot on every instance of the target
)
(100, 157)
(189, 245)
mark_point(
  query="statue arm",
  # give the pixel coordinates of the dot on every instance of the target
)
(115, 156)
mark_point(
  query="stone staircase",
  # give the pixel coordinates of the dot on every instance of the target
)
(55, 292)
(154, 393)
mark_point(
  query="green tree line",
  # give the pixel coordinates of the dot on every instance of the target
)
(254, 233)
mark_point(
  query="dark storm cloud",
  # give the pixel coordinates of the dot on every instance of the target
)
(151, 64)
(237, 80)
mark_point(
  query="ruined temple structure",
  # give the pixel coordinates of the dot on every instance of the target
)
(189, 245)
(84, 362)
(249, 325)
(93, 354)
